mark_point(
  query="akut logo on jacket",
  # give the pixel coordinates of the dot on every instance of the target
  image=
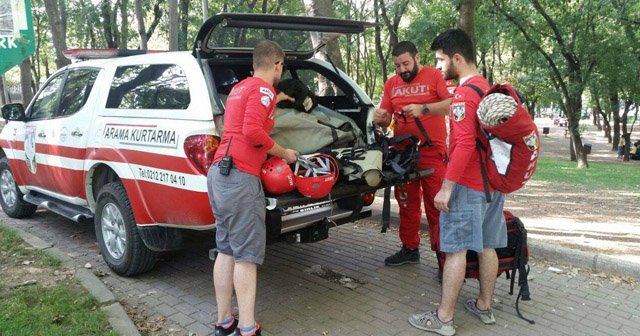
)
(410, 90)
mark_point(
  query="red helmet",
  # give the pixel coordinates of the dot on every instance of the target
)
(276, 176)
(315, 175)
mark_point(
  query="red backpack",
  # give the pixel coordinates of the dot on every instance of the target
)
(509, 149)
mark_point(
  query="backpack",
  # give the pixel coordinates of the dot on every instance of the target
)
(510, 143)
(511, 260)
(399, 157)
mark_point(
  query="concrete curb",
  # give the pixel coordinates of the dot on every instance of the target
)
(116, 315)
(595, 261)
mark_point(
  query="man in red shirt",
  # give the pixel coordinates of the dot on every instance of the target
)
(236, 196)
(467, 220)
(413, 89)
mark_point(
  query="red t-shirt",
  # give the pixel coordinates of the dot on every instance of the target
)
(248, 119)
(464, 160)
(427, 87)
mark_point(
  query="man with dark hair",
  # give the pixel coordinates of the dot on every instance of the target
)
(236, 194)
(467, 221)
(414, 90)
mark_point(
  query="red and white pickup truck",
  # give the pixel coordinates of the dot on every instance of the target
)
(127, 141)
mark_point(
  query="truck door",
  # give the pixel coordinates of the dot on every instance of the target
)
(33, 135)
(58, 125)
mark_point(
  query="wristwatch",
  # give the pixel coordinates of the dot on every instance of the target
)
(425, 109)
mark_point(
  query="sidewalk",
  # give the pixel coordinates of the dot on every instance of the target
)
(294, 300)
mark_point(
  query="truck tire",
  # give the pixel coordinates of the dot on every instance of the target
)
(117, 233)
(11, 197)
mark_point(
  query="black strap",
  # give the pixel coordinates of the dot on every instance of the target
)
(334, 132)
(386, 208)
(485, 179)
(520, 265)
(427, 140)
(523, 260)
(476, 89)
(483, 168)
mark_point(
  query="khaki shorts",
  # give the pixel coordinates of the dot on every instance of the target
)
(238, 205)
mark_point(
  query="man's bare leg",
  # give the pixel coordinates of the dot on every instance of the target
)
(488, 264)
(452, 280)
(245, 280)
(223, 270)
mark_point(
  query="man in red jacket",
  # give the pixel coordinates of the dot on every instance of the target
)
(236, 195)
(413, 89)
(467, 221)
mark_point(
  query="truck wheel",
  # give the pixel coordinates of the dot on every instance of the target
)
(11, 199)
(120, 243)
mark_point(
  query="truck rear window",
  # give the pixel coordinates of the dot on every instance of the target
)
(149, 86)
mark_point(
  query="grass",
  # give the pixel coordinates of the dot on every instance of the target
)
(612, 176)
(61, 309)
(11, 243)
(57, 310)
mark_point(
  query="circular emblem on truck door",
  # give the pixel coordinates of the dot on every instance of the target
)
(30, 149)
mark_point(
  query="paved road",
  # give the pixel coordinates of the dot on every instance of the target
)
(293, 301)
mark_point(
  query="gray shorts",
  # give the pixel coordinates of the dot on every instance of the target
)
(238, 205)
(472, 223)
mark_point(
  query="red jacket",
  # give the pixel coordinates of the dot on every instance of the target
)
(248, 119)
(428, 87)
(464, 160)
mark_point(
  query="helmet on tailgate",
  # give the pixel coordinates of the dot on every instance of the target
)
(276, 176)
(315, 175)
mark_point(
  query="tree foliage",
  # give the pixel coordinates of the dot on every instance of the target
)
(567, 57)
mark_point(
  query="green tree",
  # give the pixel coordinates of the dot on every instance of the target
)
(566, 34)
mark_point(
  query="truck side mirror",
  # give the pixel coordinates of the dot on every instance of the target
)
(13, 112)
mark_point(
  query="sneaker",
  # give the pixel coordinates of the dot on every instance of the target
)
(430, 321)
(486, 316)
(404, 256)
(220, 331)
(257, 332)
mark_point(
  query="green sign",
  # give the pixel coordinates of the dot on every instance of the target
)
(17, 40)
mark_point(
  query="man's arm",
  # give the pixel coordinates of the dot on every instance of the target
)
(287, 154)
(440, 108)
(441, 201)
(381, 117)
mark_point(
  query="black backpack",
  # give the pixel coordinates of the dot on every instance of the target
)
(512, 260)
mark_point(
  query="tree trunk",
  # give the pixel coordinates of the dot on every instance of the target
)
(3, 99)
(614, 109)
(124, 24)
(173, 25)
(378, 41)
(58, 35)
(36, 63)
(25, 81)
(399, 7)
(205, 10)
(114, 24)
(324, 8)
(157, 15)
(467, 8)
(107, 27)
(142, 31)
(596, 119)
(34, 74)
(626, 135)
(606, 125)
(531, 107)
(574, 106)
(184, 25)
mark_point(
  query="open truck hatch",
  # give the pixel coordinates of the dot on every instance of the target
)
(299, 36)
